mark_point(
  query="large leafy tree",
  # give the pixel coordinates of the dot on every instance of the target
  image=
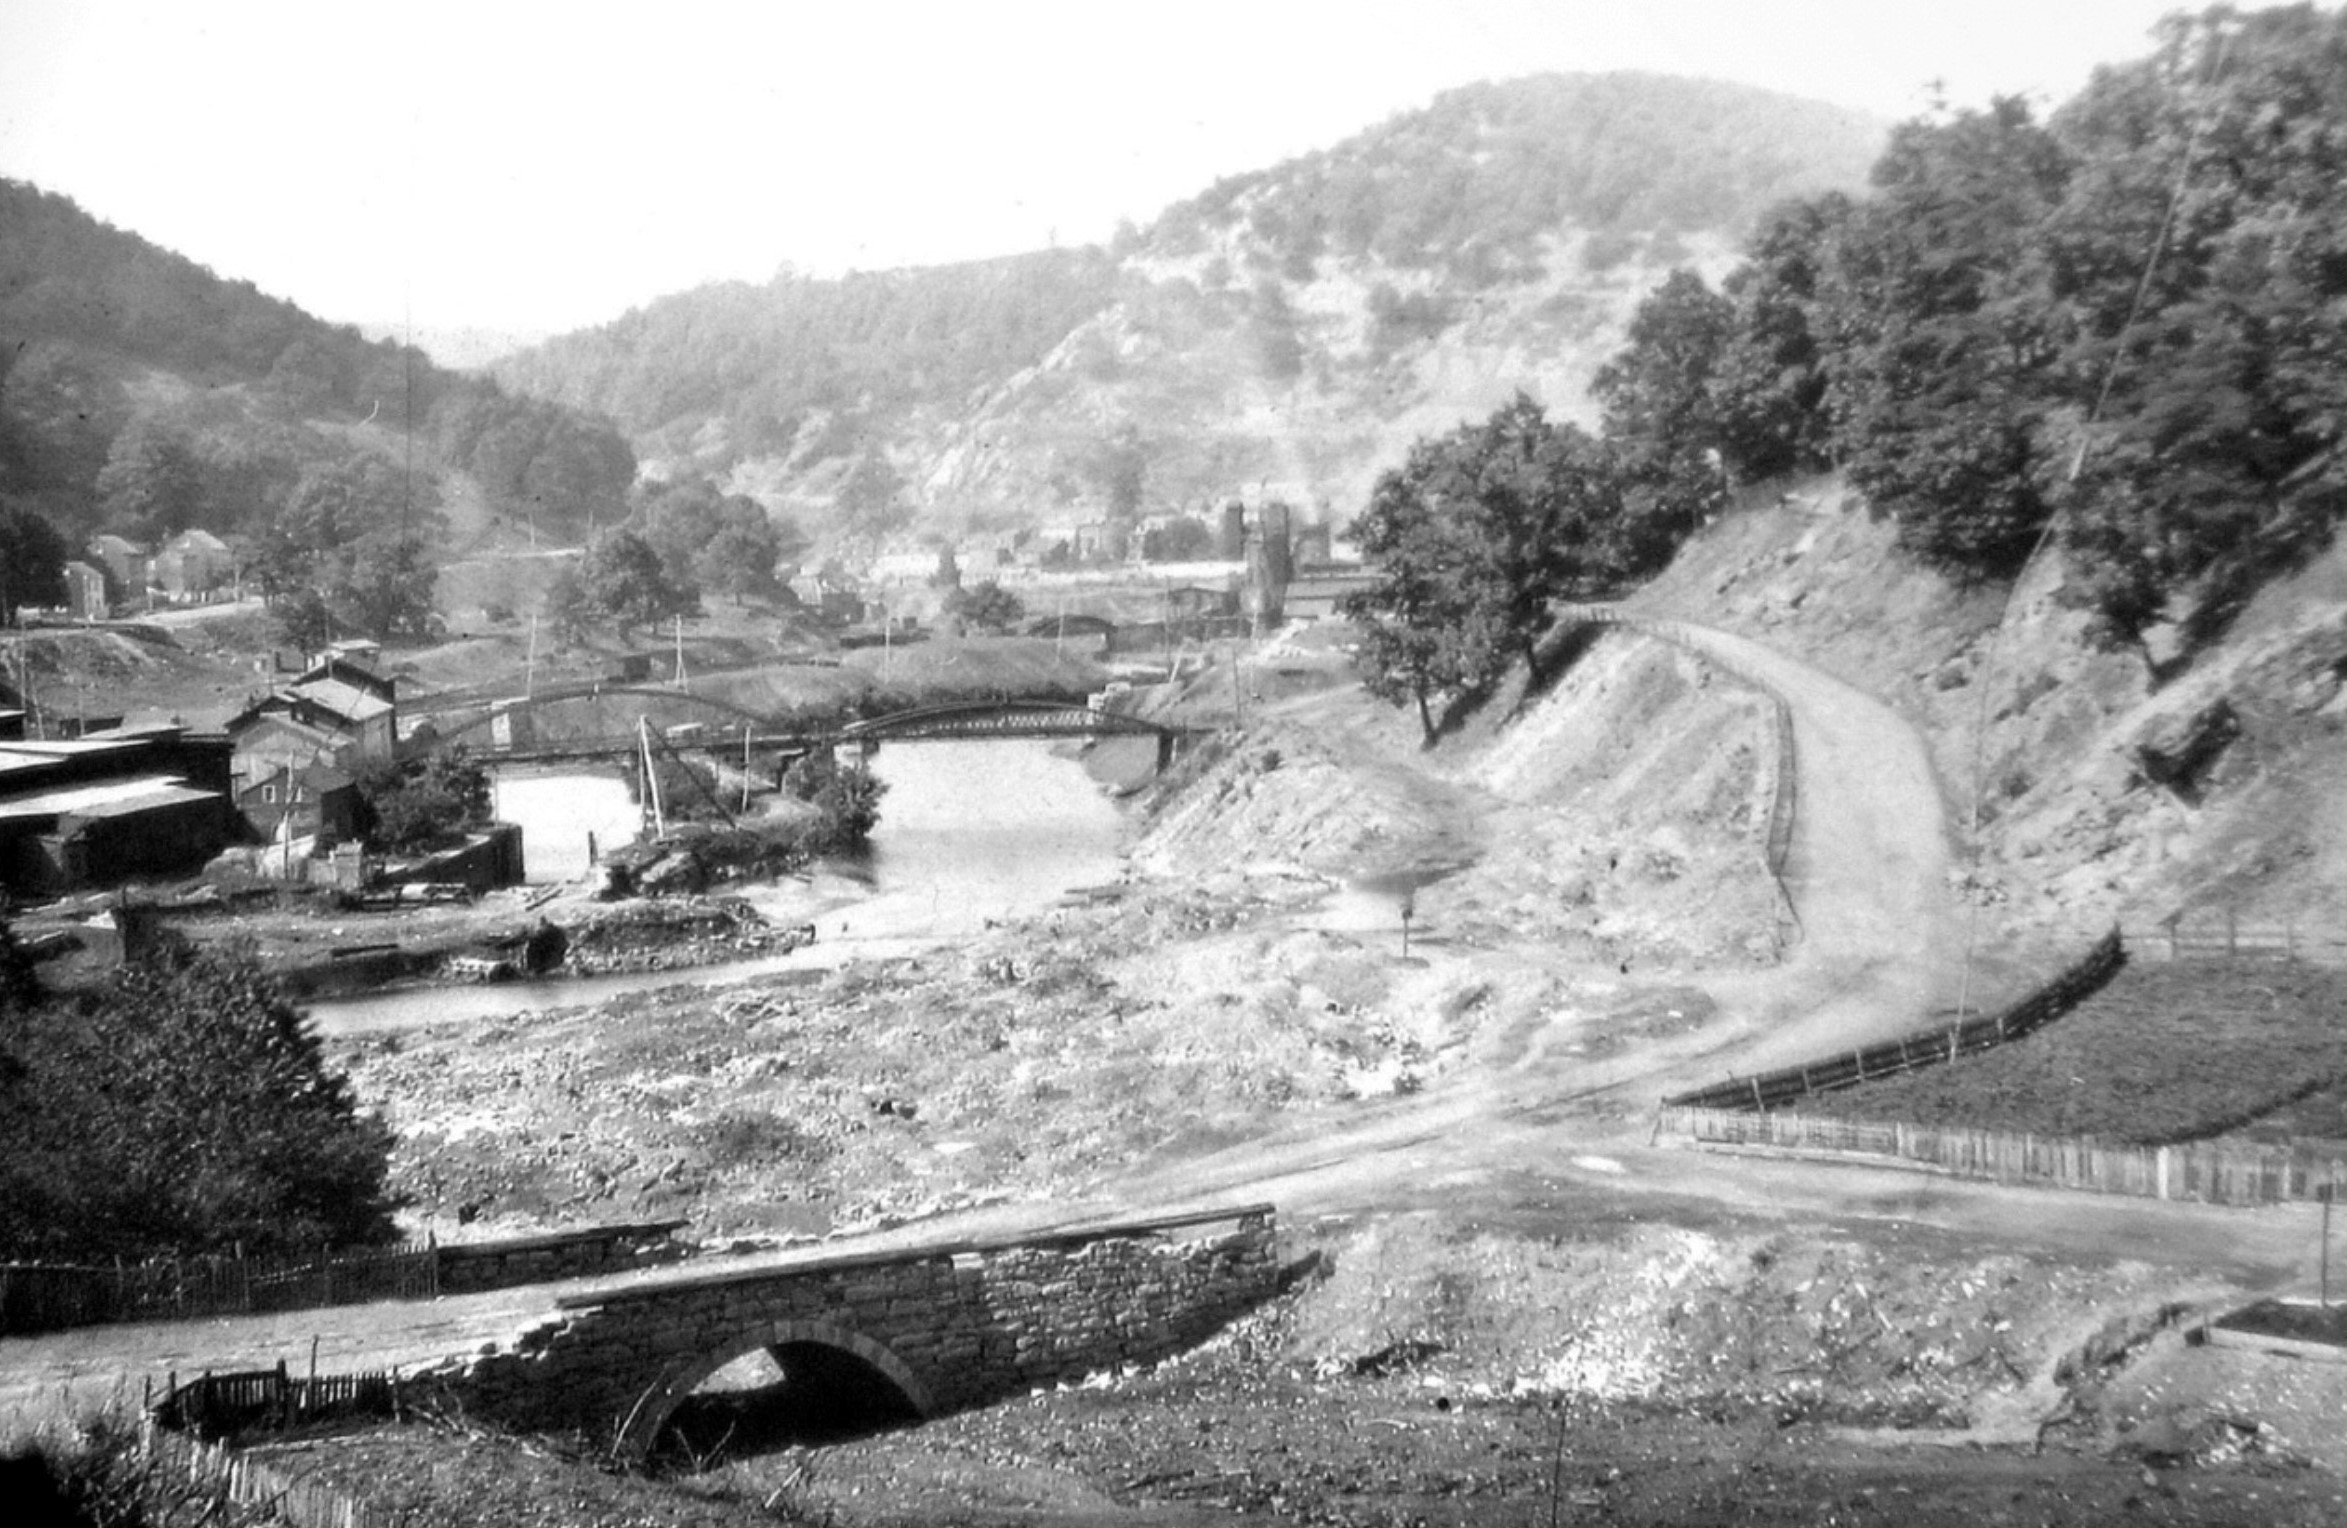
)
(383, 584)
(2217, 370)
(1658, 394)
(986, 606)
(721, 543)
(32, 561)
(150, 487)
(619, 580)
(1479, 531)
(1940, 373)
(1769, 380)
(420, 803)
(183, 1107)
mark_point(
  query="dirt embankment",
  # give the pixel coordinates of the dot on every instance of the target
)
(1592, 915)
(2100, 788)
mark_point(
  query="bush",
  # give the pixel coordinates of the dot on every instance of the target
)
(422, 803)
(182, 1107)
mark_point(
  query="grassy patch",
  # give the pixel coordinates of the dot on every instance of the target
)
(2165, 1053)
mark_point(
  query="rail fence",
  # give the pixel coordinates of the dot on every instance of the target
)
(2224, 936)
(43, 1297)
(2230, 1174)
(1766, 1091)
(1784, 797)
(221, 1473)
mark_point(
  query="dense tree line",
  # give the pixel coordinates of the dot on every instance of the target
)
(802, 365)
(260, 446)
(181, 1106)
(2120, 327)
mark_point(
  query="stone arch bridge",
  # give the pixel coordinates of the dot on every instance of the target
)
(926, 1331)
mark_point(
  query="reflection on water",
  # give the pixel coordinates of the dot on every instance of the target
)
(969, 832)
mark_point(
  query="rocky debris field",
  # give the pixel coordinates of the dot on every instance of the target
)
(1655, 1375)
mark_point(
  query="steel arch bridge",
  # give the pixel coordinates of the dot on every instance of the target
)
(1003, 719)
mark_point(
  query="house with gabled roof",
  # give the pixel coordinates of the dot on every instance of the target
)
(339, 715)
(194, 563)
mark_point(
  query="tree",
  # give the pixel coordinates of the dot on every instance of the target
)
(306, 620)
(422, 803)
(1940, 367)
(1769, 383)
(619, 579)
(32, 562)
(1480, 530)
(383, 585)
(986, 606)
(183, 1107)
(1656, 393)
(1423, 631)
(2211, 376)
(149, 487)
(722, 543)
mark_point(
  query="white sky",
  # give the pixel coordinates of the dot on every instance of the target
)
(525, 166)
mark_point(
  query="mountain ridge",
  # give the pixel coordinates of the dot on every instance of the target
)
(1285, 331)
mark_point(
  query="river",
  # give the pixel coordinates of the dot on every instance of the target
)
(969, 832)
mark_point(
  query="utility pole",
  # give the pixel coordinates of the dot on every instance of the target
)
(2326, 1192)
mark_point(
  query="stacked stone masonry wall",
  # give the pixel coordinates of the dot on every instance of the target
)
(953, 1329)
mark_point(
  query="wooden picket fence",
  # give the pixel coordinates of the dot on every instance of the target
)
(49, 1296)
(1768, 1091)
(213, 1404)
(221, 1474)
(2231, 1174)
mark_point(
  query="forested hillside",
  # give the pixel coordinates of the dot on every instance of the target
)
(1288, 331)
(2122, 328)
(143, 395)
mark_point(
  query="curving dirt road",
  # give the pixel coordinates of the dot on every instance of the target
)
(1868, 873)
(1543, 1138)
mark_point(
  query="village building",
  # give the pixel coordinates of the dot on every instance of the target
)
(339, 715)
(193, 565)
(318, 801)
(125, 561)
(85, 592)
(97, 812)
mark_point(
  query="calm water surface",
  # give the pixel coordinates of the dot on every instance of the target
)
(969, 832)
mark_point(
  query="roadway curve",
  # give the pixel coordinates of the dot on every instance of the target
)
(1551, 1137)
(1881, 933)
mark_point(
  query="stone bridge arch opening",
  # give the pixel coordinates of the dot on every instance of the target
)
(791, 1382)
